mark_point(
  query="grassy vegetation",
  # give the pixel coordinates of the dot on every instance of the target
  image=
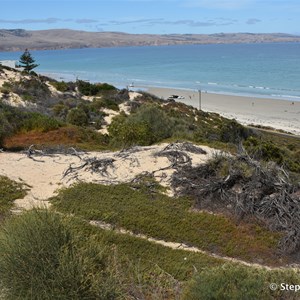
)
(43, 258)
(39, 122)
(282, 149)
(230, 282)
(62, 86)
(30, 89)
(9, 191)
(46, 255)
(152, 120)
(69, 136)
(145, 256)
(49, 256)
(90, 89)
(168, 218)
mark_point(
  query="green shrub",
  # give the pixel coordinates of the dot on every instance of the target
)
(5, 128)
(31, 89)
(77, 116)
(9, 191)
(238, 282)
(152, 213)
(90, 89)
(126, 132)
(42, 258)
(11, 119)
(105, 103)
(60, 85)
(157, 120)
(265, 150)
(60, 110)
(147, 126)
(40, 123)
(233, 132)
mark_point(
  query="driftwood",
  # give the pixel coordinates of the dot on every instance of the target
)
(243, 187)
(32, 151)
(94, 165)
(128, 154)
(178, 156)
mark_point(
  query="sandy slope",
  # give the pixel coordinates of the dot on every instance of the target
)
(45, 174)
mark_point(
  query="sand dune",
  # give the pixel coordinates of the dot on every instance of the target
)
(45, 174)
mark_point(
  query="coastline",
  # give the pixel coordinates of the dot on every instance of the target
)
(280, 114)
(275, 113)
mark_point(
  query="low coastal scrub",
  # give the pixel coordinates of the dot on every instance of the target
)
(283, 150)
(146, 126)
(243, 187)
(168, 218)
(39, 122)
(153, 121)
(62, 86)
(68, 136)
(30, 89)
(14, 120)
(46, 255)
(90, 89)
(239, 282)
(9, 191)
(43, 258)
(10, 121)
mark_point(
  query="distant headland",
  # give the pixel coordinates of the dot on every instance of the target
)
(20, 39)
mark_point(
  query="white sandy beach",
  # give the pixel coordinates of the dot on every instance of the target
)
(279, 114)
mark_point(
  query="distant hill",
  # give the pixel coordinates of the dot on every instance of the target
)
(20, 39)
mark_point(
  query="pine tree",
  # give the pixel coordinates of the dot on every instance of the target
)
(27, 61)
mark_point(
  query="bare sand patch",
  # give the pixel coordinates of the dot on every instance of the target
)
(45, 174)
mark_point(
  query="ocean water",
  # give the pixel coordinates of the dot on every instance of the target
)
(258, 70)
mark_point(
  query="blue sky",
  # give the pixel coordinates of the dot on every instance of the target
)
(151, 16)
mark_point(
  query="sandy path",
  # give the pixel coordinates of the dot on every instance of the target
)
(181, 246)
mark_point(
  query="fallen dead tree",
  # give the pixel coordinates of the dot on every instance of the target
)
(177, 154)
(93, 164)
(88, 164)
(33, 151)
(244, 187)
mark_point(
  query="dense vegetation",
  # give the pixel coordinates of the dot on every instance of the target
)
(9, 191)
(43, 258)
(167, 218)
(237, 282)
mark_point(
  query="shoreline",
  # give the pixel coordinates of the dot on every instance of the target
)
(269, 112)
(280, 114)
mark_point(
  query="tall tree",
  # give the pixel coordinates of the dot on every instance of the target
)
(27, 61)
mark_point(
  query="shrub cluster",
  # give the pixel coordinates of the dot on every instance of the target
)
(63, 86)
(239, 282)
(30, 89)
(90, 89)
(9, 191)
(151, 213)
(268, 150)
(148, 125)
(39, 122)
(13, 120)
(42, 257)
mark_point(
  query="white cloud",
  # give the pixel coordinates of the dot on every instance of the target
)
(220, 4)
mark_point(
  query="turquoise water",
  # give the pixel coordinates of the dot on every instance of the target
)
(268, 70)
